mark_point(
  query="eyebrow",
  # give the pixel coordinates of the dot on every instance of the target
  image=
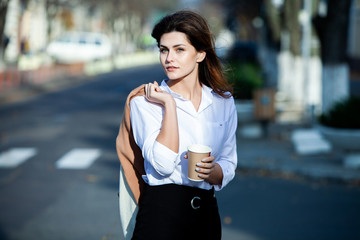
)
(177, 45)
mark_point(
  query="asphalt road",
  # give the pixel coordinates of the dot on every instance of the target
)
(255, 207)
(40, 200)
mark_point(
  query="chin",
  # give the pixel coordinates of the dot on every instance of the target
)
(173, 77)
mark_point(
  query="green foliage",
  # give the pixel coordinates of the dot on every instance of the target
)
(344, 114)
(244, 78)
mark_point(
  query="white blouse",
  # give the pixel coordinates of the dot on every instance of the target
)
(214, 125)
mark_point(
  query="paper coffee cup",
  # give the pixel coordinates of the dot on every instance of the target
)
(196, 153)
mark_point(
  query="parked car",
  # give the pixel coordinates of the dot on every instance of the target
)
(79, 47)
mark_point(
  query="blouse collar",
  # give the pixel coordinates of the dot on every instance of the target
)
(206, 95)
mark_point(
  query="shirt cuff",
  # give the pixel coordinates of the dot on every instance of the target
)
(227, 176)
(164, 159)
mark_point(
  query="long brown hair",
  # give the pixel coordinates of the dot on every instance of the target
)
(195, 27)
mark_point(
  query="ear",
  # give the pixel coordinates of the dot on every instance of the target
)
(200, 56)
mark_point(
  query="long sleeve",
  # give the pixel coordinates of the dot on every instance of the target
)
(146, 121)
(228, 157)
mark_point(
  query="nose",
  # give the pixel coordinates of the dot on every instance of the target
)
(170, 56)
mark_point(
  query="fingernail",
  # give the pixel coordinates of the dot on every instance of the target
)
(199, 164)
(204, 160)
(197, 169)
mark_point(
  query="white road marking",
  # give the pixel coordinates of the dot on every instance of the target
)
(78, 158)
(352, 161)
(16, 156)
(309, 141)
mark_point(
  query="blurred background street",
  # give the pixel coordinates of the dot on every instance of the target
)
(66, 68)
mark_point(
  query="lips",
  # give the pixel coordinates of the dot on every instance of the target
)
(171, 68)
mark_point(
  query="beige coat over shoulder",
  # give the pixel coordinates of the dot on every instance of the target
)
(129, 153)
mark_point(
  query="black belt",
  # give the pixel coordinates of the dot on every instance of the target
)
(196, 197)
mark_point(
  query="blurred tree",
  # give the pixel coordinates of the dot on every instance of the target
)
(126, 21)
(273, 16)
(67, 19)
(123, 20)
(286, 18)
(62, 8)
(3, 38)
(332, 30)
(51, 7)
(332, 27)
(244, 70)
(330, 20)
(292, 24)
(213, 11)
(240, 16)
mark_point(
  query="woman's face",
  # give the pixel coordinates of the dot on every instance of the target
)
(178, 57)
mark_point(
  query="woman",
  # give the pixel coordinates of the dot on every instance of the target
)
(192, 106)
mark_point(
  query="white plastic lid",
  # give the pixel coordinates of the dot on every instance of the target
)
(198, 148)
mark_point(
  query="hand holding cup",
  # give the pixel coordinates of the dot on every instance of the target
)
(200, 162)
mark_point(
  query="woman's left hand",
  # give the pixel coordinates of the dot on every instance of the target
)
(206, 167)
(209, 170)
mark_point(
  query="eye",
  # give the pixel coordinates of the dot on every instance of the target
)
(180, 50)
(163, 50)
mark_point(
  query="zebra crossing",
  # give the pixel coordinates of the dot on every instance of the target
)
(77, 158)
(310, 141)
(16, 156)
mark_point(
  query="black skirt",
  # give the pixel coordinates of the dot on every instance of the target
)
(171, 212)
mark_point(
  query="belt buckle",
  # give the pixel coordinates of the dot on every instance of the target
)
(192, 202)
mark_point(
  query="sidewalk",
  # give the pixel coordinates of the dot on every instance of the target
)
(280, 154)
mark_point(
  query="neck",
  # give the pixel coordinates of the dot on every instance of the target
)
(190, 90)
